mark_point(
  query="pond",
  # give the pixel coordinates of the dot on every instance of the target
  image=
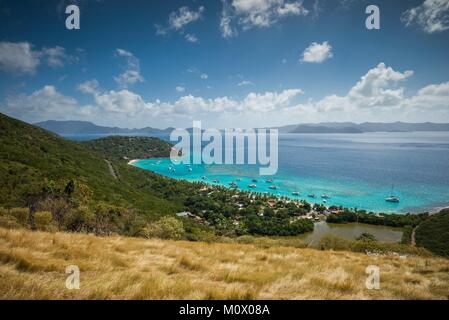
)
(351, 231)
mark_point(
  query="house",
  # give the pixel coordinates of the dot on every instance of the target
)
(184, 214)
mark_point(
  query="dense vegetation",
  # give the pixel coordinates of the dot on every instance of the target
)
(50, 183)
(391, 220)
(119, 147)
(433, 234)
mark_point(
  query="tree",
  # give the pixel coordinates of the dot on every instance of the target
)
(367, 237)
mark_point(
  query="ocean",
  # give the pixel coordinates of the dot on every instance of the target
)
(354, 170)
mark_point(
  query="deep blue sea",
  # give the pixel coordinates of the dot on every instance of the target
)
(354, 170)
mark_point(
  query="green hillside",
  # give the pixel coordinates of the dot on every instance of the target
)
(119, 147)
(433, 233)
(35, 163)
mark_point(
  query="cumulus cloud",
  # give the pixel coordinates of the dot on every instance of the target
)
(89, 87)
(317, 52)
(378, 95)
(18, 57)
(432, 16)
(180, 89)
(256, 13)
(43, 104)
(22, 58)
(131, 75)
(204, 76)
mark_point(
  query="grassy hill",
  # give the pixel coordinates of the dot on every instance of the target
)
(34, 163)
(32, 266)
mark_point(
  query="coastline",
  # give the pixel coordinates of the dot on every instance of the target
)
(429, 209)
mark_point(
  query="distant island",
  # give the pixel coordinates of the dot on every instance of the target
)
(350, 127)
(85, 127)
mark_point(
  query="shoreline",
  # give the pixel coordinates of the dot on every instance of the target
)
(430, 210)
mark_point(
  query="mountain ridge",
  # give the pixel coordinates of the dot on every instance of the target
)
(87, 127)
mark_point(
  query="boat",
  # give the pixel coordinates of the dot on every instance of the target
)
(204, 178)
(296, 192)
(392, 197)
(269, 180)
(216, 181)
(324, 201)
(190, 169)
(238, 179)
(325, 196)
(254, 180)
(252, 186)
(273, 187)
(233, 184)
(311, 195)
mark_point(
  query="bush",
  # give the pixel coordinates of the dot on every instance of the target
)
(81, 219)
(165, 228)
(22, 215)
(9, 222)
(330, 242)
(43, 221)
(366, 236)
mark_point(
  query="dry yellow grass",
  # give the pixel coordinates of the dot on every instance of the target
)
(32, 266)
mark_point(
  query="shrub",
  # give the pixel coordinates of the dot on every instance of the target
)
(165, 228)
(81, 219)
(43, 221)
(21, 215)
(9, 222)
(366, 236)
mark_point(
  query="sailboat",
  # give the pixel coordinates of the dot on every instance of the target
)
(296, 192)
(392, 197)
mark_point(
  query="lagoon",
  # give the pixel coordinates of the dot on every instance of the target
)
(351, 231)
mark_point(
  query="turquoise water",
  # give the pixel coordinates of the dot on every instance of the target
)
(355, 170)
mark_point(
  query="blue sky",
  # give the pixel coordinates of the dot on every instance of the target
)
(228, 63)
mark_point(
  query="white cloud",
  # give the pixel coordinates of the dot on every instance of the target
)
(21, 58)
(245, 83)
(56, 56)
(18, 57)
(191, 38)
(89, 87)
(131, 75)
(44, 104)
(317, 52)
(179, 19)
(431, 15)
(376, 96)
(256, 13)
(204, 76)
(180, 89)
